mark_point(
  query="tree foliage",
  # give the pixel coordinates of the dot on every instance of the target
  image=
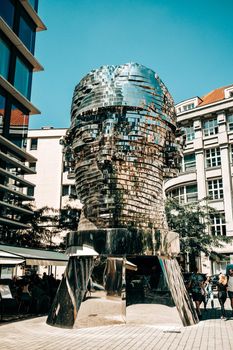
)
(48, 226)
(44, 226)
(191, 222)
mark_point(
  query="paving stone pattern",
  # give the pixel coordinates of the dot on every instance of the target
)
(210, 333)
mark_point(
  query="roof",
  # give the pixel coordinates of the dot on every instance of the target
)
(36, 256)
(213, 96)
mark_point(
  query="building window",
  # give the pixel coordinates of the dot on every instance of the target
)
(184, 194)
(4, 59)
(230, 122)
(30, 191)
(68, 190)
(72, 190)
(34, 143)
(213, 157)
(65, 190)
(22, 80)
(189, 132)
(18, 126)
(32, 166)
(27, 34)
(2, 112)
(231, 150)
(210, 127)
(7, 12)
(218, 225)
(189, 162)
(188, 107)
(215, 189)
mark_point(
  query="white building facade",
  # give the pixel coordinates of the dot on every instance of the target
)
(207, 168)
(54, 186)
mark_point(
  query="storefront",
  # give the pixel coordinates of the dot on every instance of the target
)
(18, 261)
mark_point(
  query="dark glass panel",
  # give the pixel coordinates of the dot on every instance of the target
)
(30, 191)
(65, 190)
(7, 12)
(22, 78)
(27, 34)
(32, 166)
(34, 143)
(2, 112)
(4, 59)
(18, 127)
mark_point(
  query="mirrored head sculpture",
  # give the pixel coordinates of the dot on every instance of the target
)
(121, 146)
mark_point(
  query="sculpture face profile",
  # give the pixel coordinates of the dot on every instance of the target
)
(123, 124)
(121, 145)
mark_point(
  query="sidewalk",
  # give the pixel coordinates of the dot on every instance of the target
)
(210, 333)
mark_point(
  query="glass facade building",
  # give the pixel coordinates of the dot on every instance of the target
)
(19, 23)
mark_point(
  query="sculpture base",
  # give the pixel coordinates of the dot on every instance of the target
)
(109, 290)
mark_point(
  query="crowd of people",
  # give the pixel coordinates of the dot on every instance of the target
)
(34, 294)
(201, 288)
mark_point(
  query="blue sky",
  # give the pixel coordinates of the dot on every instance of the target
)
(188, 43)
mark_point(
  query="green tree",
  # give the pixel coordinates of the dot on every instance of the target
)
(191, 222)
(44, 227)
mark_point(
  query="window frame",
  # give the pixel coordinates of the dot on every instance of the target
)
(183, 195)
(208, 129)
(213, 158)
(12, 24)
(190, 165)
(215, 192)
(65, 190)
(33, 147)
(230, 123)
(7, 72)
(31, 191)
(218, 225)
(32, 166)
(32, 26)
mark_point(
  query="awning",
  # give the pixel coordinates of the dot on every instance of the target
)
(36, 256)
(9, 259)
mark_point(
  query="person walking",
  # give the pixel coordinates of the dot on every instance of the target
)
(230, 288)
(222, 293)
(197, 290)
(209, 295)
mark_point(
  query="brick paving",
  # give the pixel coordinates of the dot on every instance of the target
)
(210, 333)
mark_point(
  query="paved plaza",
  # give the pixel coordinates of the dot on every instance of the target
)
(210, 333)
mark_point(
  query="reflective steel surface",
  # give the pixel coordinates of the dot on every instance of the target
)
(121, 145)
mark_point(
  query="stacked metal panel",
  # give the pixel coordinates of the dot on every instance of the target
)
(121, 145)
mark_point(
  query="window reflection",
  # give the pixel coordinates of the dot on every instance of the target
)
(4, 59)
(18, 127)
(22, 78)
(7, 12)
(27, 34)
(2, 111)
